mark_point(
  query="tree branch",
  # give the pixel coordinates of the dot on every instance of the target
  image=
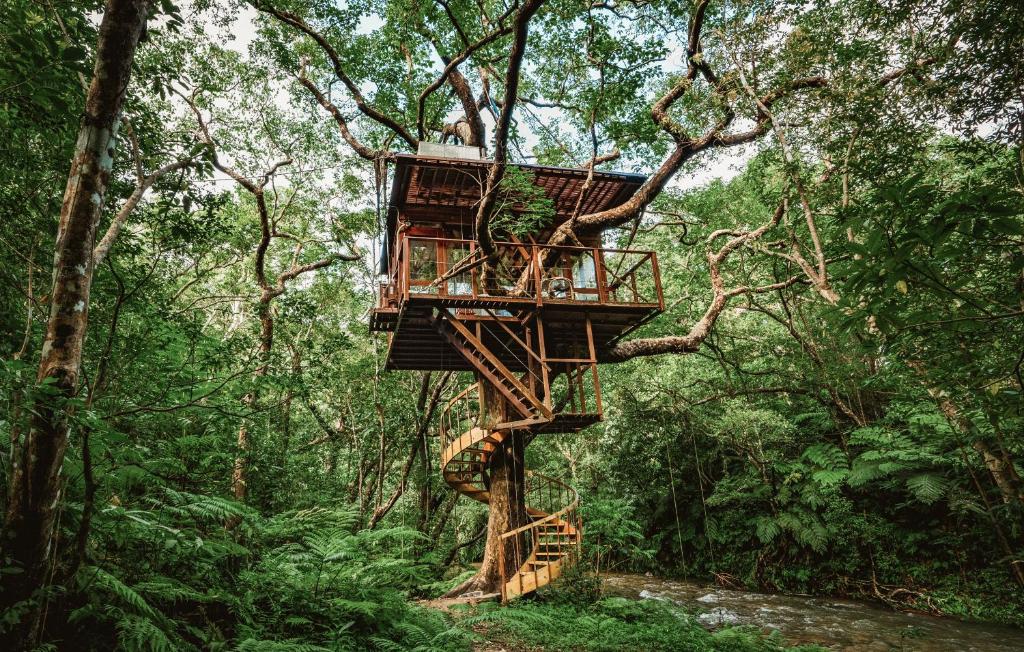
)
(339, 70)
(102, 248)
(497, 171)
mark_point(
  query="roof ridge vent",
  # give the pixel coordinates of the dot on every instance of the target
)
(444, 150)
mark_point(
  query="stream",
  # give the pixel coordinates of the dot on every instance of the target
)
(835, 623)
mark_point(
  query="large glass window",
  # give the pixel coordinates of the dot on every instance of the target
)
(422, 263)
(458, 257)
(584, 277)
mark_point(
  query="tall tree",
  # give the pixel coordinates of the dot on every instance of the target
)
(35, 479)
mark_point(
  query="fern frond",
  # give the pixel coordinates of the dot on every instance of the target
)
(289, 645)
(927, 487)
(140, 634)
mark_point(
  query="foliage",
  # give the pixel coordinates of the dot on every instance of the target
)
(522, 207)
(864, 443)
(611, 624)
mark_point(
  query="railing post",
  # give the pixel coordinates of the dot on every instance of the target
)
(544, 363)
(593, 366)
(599, 273)
(405, 268)
(657, 281)
(472, 272)
(537, 276)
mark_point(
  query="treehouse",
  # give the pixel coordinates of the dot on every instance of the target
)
(530, 321)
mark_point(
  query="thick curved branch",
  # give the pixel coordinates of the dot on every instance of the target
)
(359, 148)
(691, 342)
(452, 66)
(339, 70)
(477, 132)
(497, 171)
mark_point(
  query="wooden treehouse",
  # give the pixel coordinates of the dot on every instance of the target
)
(531, 324)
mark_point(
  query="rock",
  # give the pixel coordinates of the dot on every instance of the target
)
(709, 598)
(719, 616)
(647, 595)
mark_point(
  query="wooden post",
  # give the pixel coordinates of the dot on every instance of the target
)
(405, 268)
(593, 366)
(544, 365)
(537, 276)
(657, 281)
(473, 272)
(599, 273)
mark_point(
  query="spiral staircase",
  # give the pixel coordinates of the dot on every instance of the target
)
(551, 540)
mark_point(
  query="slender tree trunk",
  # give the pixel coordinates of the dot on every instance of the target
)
(997, 469)
(1000, 467)
(240, 475)
(26, 349)
(444, 513)
(507, 508)
(35, 478)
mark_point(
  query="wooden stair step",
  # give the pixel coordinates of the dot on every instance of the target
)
(556, 545)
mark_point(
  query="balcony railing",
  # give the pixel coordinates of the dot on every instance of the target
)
(522, 273)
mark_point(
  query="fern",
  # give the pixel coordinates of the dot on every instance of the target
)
(126, 594)
(139, 634)
(928, 487)
(290, 645)
(864, 471)
(767, 529)
(826, 456)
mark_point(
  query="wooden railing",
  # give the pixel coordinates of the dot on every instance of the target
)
(461, 414)
(549, 543)
(525, 273)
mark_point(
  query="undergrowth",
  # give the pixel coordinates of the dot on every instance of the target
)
(609, 625)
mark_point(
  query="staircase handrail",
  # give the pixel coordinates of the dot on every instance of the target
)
(466, 334)
(550, 517)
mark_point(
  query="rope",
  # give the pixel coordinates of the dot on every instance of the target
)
(703, 502)
(675, 504)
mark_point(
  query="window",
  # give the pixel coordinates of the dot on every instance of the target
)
(422, 262)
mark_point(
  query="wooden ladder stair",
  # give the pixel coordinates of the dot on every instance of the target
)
(555, 536)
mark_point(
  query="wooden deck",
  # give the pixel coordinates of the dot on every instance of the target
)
(609, 292)
(415, 344)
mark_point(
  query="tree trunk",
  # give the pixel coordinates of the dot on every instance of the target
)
(997, 469)
(240, 473)
(1001, 470)
(507, 508)
(35, 478)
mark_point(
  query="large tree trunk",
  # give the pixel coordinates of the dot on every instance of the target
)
(507, 508)
(35, 482)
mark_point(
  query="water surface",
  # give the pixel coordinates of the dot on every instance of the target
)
(838, 624)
